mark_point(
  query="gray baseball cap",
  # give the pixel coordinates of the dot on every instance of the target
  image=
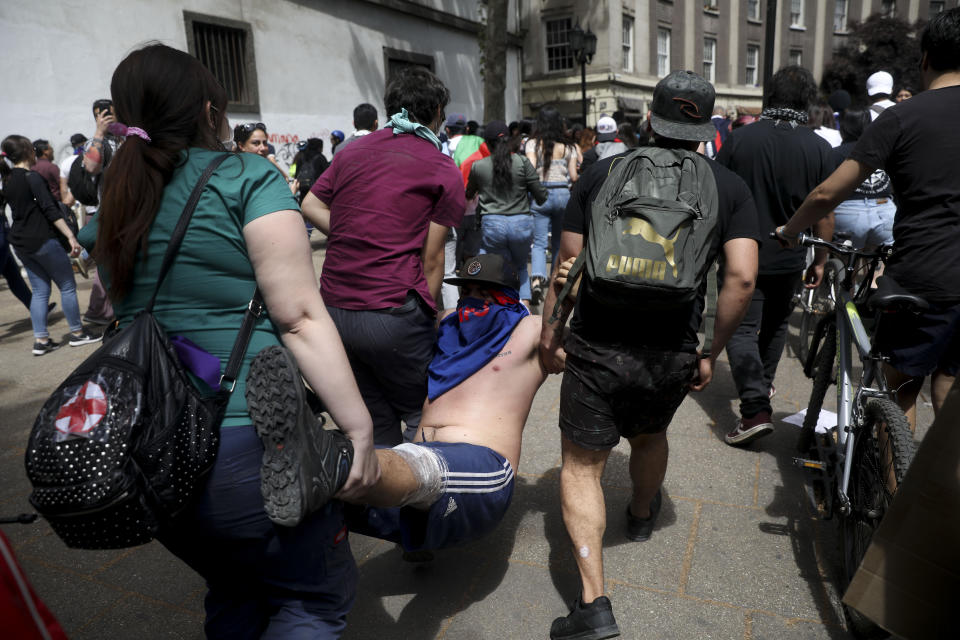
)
(682, 106)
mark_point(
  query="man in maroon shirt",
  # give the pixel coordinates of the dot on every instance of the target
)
(386, 203)
(49, 171)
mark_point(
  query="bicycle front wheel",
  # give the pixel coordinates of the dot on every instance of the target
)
(882, 453)
(823, 376)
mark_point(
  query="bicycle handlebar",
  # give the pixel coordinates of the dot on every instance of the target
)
(805, 240)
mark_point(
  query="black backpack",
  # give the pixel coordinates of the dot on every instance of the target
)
(650, 232)
(85, 186)
(308, 171)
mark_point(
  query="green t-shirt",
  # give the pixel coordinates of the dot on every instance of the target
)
(206, 291)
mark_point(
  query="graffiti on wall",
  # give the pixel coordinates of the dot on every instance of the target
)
(286, 144)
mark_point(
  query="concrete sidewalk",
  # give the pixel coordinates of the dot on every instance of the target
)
(737, 552)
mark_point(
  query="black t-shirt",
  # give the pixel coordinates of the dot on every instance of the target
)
(877, 184)
(917, 143)
(674, 330)
(34, 210)
(781, 165)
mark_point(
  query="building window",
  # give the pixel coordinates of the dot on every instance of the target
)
(225, 47)
(663, 52)
(796, 13)
(937, 7)
(627, 43)
(711, 5)
(796, 57)
(559, 57)
(710, 59)
(753, 10)
(840, 16)
(396, 59)
(888, 8)
(753, 60)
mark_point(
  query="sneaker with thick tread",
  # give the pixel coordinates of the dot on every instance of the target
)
(304, 465)
(592, 621)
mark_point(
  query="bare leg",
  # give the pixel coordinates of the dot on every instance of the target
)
(939, 387)
(584, 512)
(648, 466)
(907, 388)
(396, 482)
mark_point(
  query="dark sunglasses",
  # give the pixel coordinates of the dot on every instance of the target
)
(250, 127)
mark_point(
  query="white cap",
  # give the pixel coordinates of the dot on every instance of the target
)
(880, 82)
(606, 124)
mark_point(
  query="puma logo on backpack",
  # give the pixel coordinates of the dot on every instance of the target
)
(642, 228)
(650, 230)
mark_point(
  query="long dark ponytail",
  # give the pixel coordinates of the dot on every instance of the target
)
(502, 154)
(549, 132)
(164, 92)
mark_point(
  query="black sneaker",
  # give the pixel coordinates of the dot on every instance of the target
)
(536, 290)
(82, 338)
(303, 463)
(43, 348)
(592, 621)
(639, 529)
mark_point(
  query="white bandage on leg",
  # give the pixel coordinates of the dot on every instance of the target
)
(428, 468)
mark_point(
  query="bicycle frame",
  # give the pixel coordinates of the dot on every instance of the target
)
(851, 334)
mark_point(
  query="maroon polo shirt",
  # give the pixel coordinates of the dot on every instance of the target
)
(51, 174)
(384, 190)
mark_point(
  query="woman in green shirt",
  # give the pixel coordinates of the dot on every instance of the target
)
(263, 580)
(503, 179)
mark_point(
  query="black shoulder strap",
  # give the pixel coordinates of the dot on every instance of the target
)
(181, 229)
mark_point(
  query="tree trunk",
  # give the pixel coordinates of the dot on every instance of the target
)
(495, 61)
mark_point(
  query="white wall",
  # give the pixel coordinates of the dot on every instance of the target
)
(316, 59)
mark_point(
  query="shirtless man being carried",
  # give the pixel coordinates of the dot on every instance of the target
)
(454, 483)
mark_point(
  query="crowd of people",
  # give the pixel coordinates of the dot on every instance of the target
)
(442, 235)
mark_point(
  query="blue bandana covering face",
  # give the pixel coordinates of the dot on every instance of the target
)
(471, 337)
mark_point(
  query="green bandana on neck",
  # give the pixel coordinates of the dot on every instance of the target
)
(401, 124)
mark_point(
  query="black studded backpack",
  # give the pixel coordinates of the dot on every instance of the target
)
(121, 447)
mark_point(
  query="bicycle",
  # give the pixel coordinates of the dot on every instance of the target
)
(860, 462)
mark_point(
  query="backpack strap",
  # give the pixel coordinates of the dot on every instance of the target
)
(709, 312)
(176, 238)
(572, 276)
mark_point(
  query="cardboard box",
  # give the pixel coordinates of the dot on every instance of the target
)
(909, 580)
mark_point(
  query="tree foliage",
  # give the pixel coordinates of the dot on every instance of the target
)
(876, 44)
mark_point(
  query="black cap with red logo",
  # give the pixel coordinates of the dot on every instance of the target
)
(682, 106)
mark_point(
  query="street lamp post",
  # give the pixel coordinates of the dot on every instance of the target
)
(583, 45)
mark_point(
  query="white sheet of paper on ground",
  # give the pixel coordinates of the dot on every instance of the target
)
(826, 421)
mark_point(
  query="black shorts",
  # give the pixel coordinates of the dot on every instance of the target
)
(612, 390)
(918, 345)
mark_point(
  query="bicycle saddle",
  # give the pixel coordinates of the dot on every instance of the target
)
(890, 296)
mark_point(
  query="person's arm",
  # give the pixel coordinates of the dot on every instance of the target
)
(432, 257)
(93, 154)
(317, 212)
(825, 197)
(51, 210)
(280, 254)
(739, 279)
(472, 187)
(65, 196)
(534, 186)
(551, 334)
(572, 163)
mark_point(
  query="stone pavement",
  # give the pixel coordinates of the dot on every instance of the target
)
(737, 552)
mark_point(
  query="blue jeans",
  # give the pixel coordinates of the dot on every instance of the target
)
(510, 237)
(867, 222)
(263, 580)
(50, 262)
(548, 218)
